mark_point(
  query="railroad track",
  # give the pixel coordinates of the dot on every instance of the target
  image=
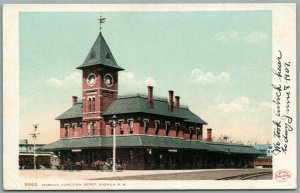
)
(246, 176)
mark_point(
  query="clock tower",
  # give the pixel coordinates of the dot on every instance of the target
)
(99, 86)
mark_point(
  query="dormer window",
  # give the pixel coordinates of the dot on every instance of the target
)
(108, 55)
(92, 55)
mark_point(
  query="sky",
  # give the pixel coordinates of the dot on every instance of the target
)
(218, 62)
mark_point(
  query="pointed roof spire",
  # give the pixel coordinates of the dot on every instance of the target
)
(100, 53)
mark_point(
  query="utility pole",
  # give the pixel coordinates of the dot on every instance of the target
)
(34, 135)
(114, 142)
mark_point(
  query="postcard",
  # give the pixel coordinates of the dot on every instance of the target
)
(149, 96)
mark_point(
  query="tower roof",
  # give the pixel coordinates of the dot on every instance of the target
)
(100, 54)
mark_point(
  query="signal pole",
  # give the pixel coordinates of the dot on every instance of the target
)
(34, 135)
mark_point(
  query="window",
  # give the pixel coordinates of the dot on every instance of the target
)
(121, 127)
(88, 129)
(74, 130)
(111, 127)
(81, 130)
(156, 127)
(130, 124)
(198, 132)
(177, 129)
(167, 128)
(66, 131)
(94, 128)
(93, 105)
(191, 132)
(90, 105)
(146, 125)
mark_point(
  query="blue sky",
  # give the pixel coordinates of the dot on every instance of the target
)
(219, 63)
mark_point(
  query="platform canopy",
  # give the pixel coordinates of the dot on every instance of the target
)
(143, 141)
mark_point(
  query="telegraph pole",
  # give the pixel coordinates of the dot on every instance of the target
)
(114, 142)
(34, 135)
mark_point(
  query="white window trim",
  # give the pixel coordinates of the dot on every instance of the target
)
(121, 122)
(74, 129)
(128, 121)
(147, 121)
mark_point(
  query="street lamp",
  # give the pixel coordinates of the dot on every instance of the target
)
(114, 142)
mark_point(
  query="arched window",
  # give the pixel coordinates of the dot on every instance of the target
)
(74, 130)
(191, 132)
(177, 129)
(66, 131)
(146, 125)
(93, 105)
(167, 128)
(130, 124)
(156, 127)
(88, 129)
(121, 127)
(90, 105)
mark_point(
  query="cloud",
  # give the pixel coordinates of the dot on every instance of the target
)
(239, 104)
(130, 83)
(150, 81)
(73, 77)
(55, 82)
(230, 35)
(256, 37)
(227, 35)
(201, 77)
(126, 76)
(265, 105)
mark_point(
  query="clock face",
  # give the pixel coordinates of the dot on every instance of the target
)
(108, 80)
(91, 80)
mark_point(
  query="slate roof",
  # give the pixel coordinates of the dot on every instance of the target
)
(146, 141)
(73, 112)
(138, 104)
(100, 54)
(230, 148)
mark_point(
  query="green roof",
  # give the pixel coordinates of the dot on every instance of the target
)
(73, 112)
(100, 54)
(234, 148)
(126, 141)
(138, 104)
(146, 141)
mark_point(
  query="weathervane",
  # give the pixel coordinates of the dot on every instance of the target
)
(101, 21)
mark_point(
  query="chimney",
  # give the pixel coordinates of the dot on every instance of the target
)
(177, 102)
(171, 101)
(150, 97)
(74, 100)
(209, 134)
